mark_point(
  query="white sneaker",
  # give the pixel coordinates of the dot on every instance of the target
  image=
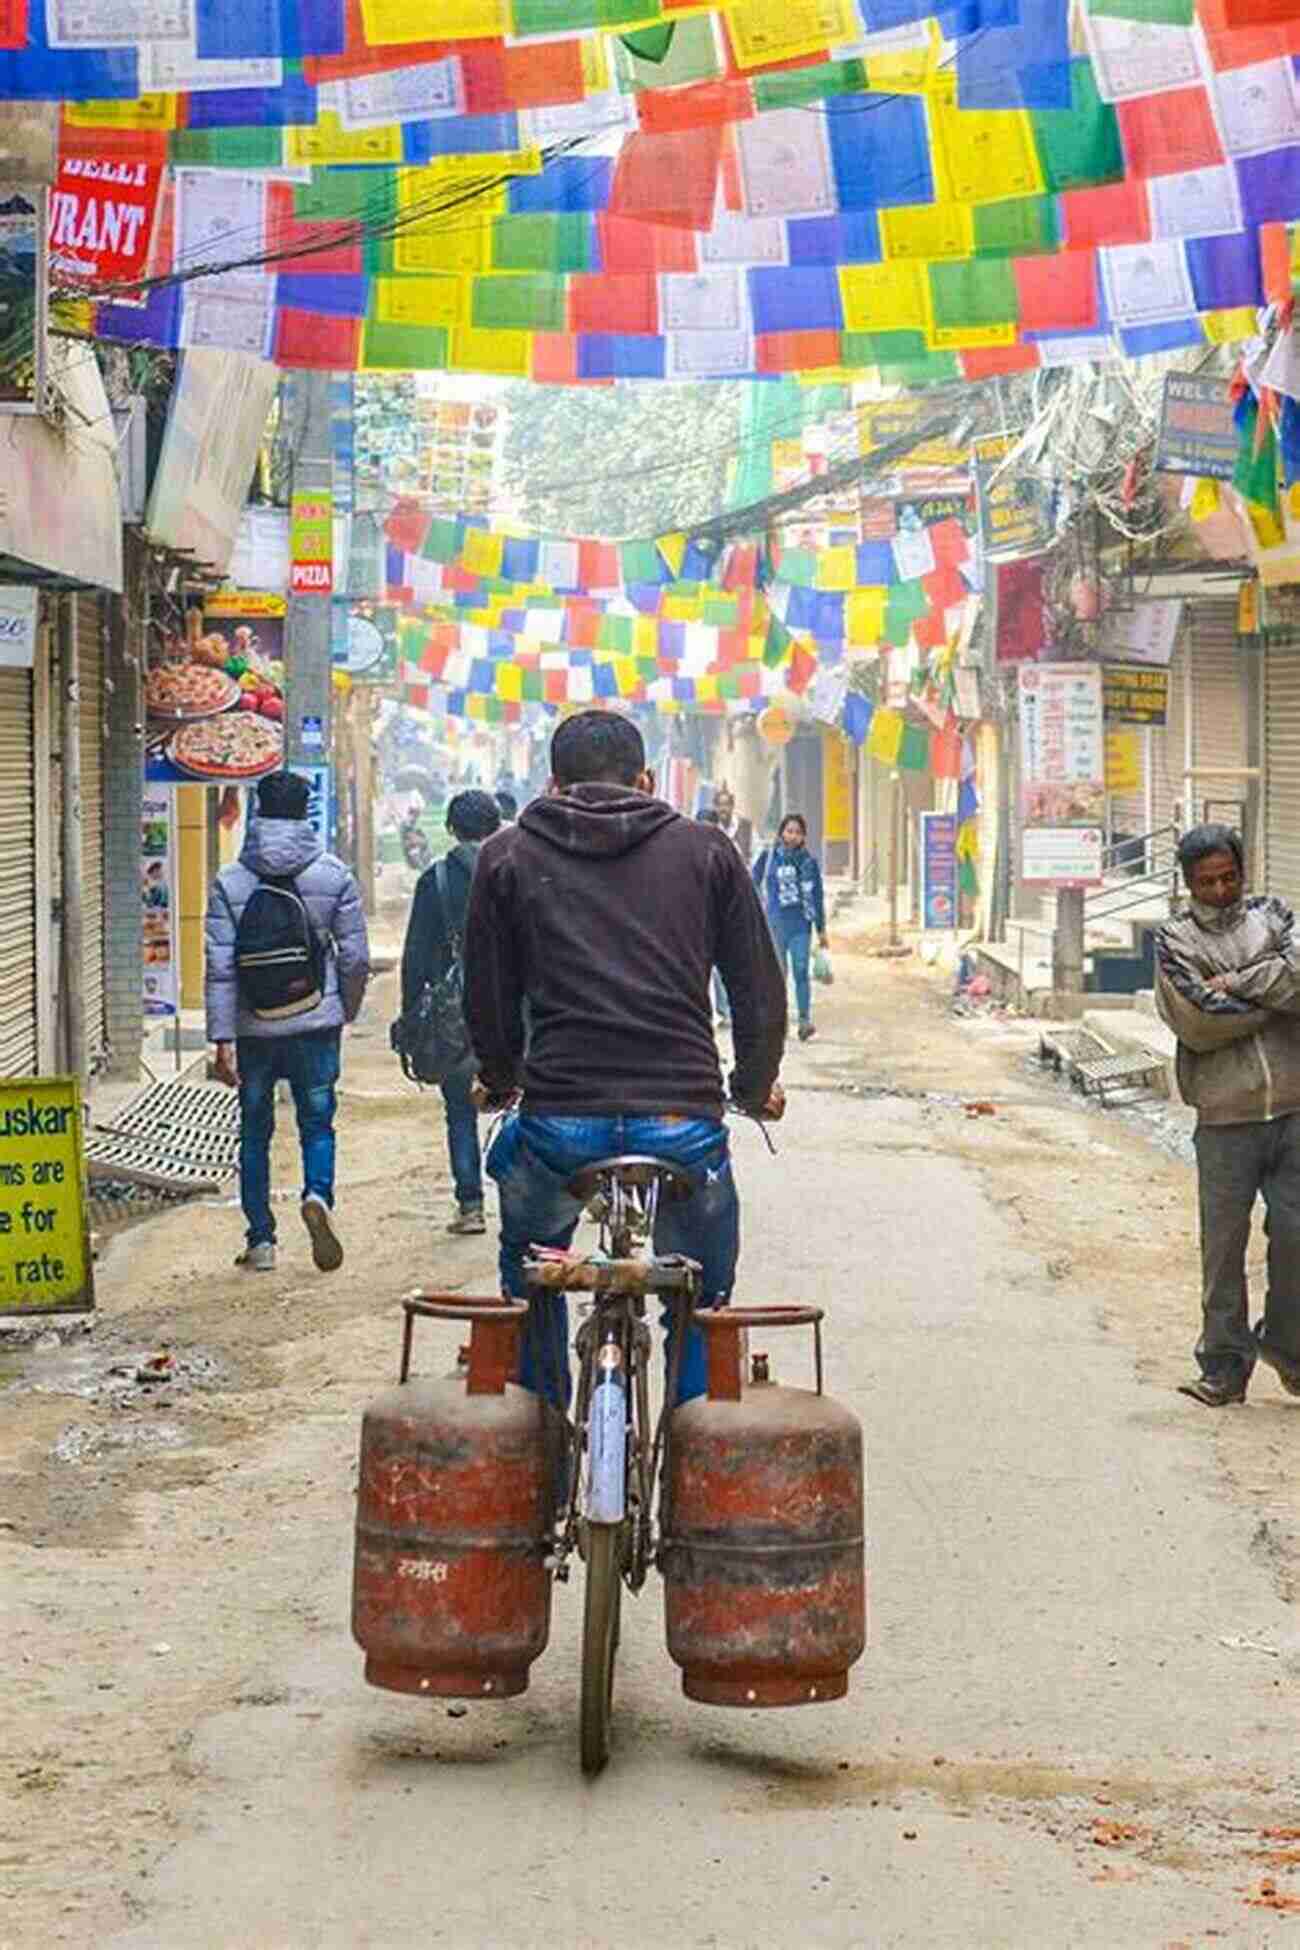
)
(326, 1246)
(258, 1259)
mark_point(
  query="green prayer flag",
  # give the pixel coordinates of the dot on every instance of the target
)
(252, 148)
(1079, 146)
(442, 543)
(544, 242)
(640, 562)
(973, 292)
(720, 608)
(799, 566)
(532, 686)
(914, 752)
(1155, 13)
(935, 369)
(691, 55)
(1255, 475)
(870, 348)
(800, 87)
(652, 43)
(1020, 226)
(967, 878)
(776, 646)
(337, 195)
(537, 303)
(404, 348)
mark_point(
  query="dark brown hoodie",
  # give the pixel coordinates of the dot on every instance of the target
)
(605, 911)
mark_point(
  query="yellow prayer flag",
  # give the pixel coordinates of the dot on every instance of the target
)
(673, 550)
(680, 609)
(421, 301)
(1268, 530)
(781, 30)
(158, 112)
(394, 22)
(510, 683)
(1205, 500)
(478, 350)
(864, 617)
(885, 738)
(837, 568)
(626, 675)
(981, 155)
(645, 636)
(1225, 327)
(909, 71)
(481, 552)
(330, 142)
(706, 690)
(883, 297)
(926, 231)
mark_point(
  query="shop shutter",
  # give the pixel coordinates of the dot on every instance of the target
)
(1282, 771)
(1218, 705)
(1168, 746)
(90, 656)
(17, 878)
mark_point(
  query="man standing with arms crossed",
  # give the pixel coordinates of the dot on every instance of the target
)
(1228, 985)
(603, 912)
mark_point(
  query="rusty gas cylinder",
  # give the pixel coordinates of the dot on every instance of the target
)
(450, 1595)
(763, 1549)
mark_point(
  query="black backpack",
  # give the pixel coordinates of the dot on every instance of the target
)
(431, 1039)
(279, 957)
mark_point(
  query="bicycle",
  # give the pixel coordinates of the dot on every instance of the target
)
(615, 1459)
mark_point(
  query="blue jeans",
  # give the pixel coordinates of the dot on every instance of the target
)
(462, 1138)
(310, 1066)
(533, 1159)
(794, 949)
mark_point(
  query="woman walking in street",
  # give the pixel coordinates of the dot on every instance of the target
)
(789, 880)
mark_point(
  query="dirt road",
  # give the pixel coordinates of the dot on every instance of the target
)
(1075, 1723)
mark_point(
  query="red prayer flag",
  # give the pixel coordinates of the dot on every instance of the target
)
(670, 179)
(626, 244)
(661, 111)
(1168, 133)
(1115, 214)
(628, 302)
(1057, 294)
(996, 359)
(316, 342)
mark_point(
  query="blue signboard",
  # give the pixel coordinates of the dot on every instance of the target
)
(938, 870)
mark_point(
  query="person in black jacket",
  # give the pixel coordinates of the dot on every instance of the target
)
(603, 912)
(433, 934)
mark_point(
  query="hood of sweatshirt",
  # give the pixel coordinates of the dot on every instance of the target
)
(598, 821)
(280, 846)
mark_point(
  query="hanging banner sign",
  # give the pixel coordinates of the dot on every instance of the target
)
(101, 221)
(1015, 509)
(1063, 773)
(1197, 432)
(938, 870)
(1135, 695)
(45, 1264)
(1123, 762)
(311, 544)
(158, 899)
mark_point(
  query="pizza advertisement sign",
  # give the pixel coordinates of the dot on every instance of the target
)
(214, 699)
(311, 544)
(1062, 773)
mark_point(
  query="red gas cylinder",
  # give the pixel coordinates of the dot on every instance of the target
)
(763, 1550)
(450, 1595)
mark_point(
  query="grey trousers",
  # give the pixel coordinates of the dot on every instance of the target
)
(1236, 1163)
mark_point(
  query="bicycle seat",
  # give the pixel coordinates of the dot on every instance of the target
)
(633, 1171)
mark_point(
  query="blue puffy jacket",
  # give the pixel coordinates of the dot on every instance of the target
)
(332, 899)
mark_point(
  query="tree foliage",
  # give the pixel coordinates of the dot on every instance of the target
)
(620, 461)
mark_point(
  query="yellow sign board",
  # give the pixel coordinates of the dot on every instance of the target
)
(837, 788)
(1123, 762)
(45, 1264)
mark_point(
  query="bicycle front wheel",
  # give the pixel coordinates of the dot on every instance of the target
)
(600, 1617)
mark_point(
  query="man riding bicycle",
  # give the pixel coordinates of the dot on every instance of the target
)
(596, 921)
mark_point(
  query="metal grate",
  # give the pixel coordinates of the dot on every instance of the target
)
(173, 1136)
(1104, 1073)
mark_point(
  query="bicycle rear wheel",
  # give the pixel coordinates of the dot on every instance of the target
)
(600, 1619)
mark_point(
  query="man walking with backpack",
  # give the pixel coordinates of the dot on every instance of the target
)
(431, 957)
(287, 963)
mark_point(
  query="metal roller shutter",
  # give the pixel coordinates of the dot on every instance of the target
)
(17, 878)
(1168, 746)
(1218, 700)
(1282, 771)
(90, 656)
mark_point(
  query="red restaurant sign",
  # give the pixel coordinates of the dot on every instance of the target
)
(101, 220)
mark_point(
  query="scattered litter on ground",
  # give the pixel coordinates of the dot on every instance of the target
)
(1238, 1644)
(78, 1443)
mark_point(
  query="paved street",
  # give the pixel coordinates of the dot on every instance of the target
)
(1074, 1724)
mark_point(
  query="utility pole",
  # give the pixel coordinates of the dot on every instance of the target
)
(1067, 949)
(308, 686)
